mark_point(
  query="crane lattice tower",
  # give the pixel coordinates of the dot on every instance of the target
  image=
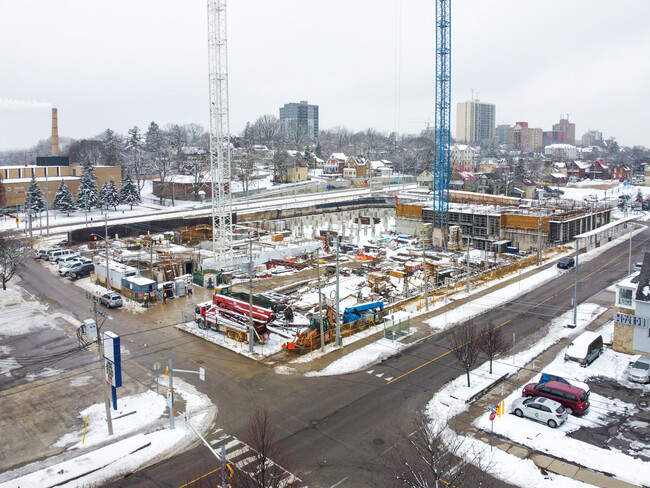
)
(441, 166)
(219, 135)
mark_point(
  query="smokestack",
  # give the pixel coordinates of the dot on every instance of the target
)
(55, 133)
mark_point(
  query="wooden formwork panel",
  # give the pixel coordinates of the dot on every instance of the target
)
(410, 211)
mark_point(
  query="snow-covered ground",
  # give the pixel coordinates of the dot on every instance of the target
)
(141, 427)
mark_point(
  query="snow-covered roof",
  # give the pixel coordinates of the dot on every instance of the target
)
(560, 146)
(39, 178)
(558, 175)
(377, 164)
(140, 280)
(338, 156)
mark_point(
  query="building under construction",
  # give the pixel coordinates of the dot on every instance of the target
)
(496, 222)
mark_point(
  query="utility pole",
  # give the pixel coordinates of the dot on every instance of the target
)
(320, 304)
(100, 351)
(108, 268)
(338, 303)
(575, 286)
(47, 203)
(250, 294)
(171, 395)
(468, 242)
(539, 241)
(426, 277)
(629, 254)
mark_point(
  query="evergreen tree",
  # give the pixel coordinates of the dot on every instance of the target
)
(130, 193)
(63, 200)
(87, 194)
(103, 192)
(112, 197)
(34, 197)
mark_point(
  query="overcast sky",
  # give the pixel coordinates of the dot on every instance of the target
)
(366, 63)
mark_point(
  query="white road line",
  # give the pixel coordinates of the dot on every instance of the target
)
(371, 371)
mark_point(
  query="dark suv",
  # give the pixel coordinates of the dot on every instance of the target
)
(566, 263)
(574, 399)
(81, 271)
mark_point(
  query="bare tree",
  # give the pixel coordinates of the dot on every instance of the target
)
(12, 256)
(491, 342)
(464, 342)
(244, 168)
(270, 460)
(433, 456)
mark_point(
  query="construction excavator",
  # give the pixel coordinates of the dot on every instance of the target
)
(308, 338)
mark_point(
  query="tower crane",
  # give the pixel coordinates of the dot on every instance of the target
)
(441, 166)
(220, 172)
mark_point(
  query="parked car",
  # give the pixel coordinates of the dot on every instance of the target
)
(546, 377)
(64, 268)
(566, 263)
(111, 299)
(81, 270)
(45, 253)
(638, 266)
(54, 256)
(574, 399)
(639, 371)
(585, 348)
(542, 409)
(61, 260)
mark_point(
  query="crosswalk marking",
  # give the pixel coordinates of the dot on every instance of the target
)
(247, 464)
(388, 379)
(371, 371)
(379, 375)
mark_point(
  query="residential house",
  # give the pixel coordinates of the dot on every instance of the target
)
(357, 167)
(598, 170)
(489, 183)
(557, 179)
(461, 157)
(335, 164)
(467, 181)
(295, 173)
(632, 312)
(380, 169)
(425, 179)
(525, 185)
(620, 172)
(577, 169)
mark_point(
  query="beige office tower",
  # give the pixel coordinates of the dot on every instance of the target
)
(475, 121)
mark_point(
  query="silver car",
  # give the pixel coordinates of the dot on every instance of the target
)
(111, 299)
(539, 408)
(639, 371)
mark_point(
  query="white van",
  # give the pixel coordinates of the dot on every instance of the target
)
(585, 348)
(56, 255)
(66, 259)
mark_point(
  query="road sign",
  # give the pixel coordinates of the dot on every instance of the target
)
(492, 415)
(156, 366)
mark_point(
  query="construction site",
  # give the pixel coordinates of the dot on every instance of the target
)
(299, 281)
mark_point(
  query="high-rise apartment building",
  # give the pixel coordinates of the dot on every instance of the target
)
(524, 138)
(563, 132)
(475, 121)
(299, 121)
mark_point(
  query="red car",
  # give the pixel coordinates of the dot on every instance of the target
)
(574, 399)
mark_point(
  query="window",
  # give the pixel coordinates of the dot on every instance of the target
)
(625, 297)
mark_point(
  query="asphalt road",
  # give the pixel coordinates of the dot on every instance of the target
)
(335, 429)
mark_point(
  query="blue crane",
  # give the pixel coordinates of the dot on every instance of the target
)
(441, 171)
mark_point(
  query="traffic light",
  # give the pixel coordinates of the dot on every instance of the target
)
(94, 238)
(17, 220)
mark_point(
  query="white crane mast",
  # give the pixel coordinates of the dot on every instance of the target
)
(219, 135)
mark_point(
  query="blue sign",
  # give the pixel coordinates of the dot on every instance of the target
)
(113, 359)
